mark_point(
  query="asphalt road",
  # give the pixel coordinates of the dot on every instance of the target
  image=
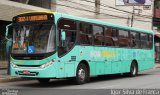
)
(97, 86)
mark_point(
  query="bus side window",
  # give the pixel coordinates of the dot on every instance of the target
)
(85, 37)
(98, 35)
(123, 38)
(144, 39)
(70, 29)
(133, 39)
(150, 41)
(115, 36)
(108, 34)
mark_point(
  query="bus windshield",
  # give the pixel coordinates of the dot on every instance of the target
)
(33, 39)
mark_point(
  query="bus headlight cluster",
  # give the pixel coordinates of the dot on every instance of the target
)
(14, 65)
(47, 64)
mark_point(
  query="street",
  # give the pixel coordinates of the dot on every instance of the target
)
(149, 79)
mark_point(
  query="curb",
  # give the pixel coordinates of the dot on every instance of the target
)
(2, 68)
(11, 79)
(157, 66)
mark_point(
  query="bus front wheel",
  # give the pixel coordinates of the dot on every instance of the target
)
(133, 69)
(81, 74)
(43, 80)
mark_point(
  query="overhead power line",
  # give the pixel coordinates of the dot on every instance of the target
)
(82, 9)
(104, 5)
(94, 7)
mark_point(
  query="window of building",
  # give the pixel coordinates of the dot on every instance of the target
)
(98, 35)
(85, 34)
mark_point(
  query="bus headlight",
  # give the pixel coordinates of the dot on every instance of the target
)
(47, 64)
(14, 65)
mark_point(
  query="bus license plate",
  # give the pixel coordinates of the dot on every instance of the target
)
(26, 72)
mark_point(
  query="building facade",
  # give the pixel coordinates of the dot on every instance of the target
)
(114, 11)
(156, 25)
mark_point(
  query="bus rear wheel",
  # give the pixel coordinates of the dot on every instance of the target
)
(133, 69)
(43, 80)
(81, 74)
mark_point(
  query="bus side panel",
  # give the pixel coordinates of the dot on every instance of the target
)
(60, 70)
(109, 55)
(87, 53)
(73, 58)
(99, 59)
(145, 59)
(125, 60)
(92, 68)
(70, 69)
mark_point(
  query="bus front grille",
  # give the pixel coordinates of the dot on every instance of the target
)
(28, 65)
(29, 74)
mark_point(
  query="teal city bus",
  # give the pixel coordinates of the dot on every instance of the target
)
(48, 45)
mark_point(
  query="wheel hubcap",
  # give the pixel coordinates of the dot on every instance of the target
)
(81, 74)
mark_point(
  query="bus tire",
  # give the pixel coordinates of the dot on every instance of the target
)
(133, 69)
(43, 80)
(82, 74)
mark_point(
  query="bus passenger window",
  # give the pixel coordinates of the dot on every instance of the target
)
(123, 38)
(144, 39)
(109, 35)
(85, 37)
(135, 42)
(98, 35)
(150, 41)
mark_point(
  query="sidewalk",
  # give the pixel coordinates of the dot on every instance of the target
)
(7, 78)
(157, 65)
(3, 64)
(3, 73)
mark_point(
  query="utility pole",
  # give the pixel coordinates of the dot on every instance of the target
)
(97, 7)
(128, 21)
(152, 7)
(132, 19)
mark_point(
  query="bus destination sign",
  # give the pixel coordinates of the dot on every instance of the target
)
(32, 18)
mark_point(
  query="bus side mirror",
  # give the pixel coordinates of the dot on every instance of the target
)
(63, 35)
(7, 30)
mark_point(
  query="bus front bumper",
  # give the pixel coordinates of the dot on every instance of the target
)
(48, 72)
